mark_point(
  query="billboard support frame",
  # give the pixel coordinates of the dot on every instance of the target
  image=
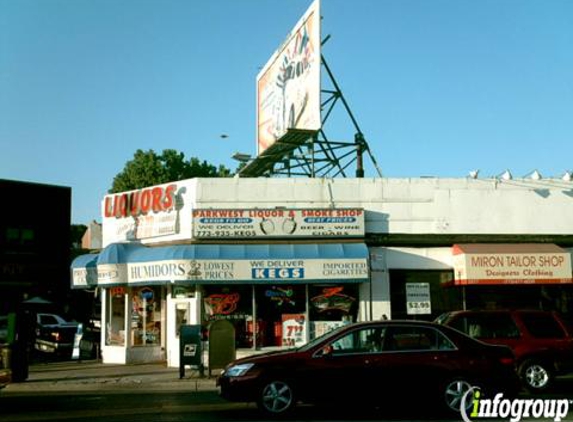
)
(317, 155)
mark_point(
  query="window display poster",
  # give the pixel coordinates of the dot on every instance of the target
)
(418, 301)
(146, 316)
(294, 330)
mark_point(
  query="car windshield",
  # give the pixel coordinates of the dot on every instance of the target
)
(321, 338)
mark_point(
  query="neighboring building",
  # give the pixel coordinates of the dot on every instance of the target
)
(34, 242)
(287, 259)
(92, 238)
(34, 261)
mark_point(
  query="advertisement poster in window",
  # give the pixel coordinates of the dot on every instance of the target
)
(146, 316)
(418, 300)
(293, 330)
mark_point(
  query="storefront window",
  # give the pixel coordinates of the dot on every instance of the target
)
(331, 306)
(440, 296)
(286, 315)
(146, 316)
(233, 303)
(281, 315)
(115, 309)
(531, 296)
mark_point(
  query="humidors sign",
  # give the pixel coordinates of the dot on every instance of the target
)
(266, 223)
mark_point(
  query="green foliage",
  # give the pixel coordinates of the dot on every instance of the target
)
(147, 168)
(77, 231)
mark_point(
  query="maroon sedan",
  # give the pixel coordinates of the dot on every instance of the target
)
(375, 363)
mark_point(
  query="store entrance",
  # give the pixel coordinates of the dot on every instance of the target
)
(422, 294)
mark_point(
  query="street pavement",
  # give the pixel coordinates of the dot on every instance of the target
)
(94, 376)
(82, 391)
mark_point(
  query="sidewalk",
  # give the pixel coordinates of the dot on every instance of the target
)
(91, 376)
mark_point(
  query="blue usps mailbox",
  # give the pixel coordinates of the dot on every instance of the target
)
(190, 350)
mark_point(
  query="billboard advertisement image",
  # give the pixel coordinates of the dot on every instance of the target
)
(288, 87)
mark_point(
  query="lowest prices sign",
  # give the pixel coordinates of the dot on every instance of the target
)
(418, 301)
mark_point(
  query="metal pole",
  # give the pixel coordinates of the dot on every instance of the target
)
(359, 140)
(255, 328)
(331, 76)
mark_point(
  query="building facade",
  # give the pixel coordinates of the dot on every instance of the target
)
(34, 242)
(288, 259)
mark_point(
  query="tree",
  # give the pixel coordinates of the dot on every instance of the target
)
(77, 231)
(147, 168)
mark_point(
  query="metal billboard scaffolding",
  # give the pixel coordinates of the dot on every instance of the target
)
(310, 153)
(292, 110)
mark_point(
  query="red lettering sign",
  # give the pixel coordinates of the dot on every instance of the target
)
(140, 202)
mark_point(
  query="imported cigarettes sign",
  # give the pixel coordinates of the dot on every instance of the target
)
(276, 223)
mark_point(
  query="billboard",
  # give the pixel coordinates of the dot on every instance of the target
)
(288, 86)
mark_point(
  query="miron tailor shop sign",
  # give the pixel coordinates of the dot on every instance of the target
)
(513, 268)
(277, 222)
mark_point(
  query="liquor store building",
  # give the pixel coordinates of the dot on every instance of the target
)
(287, 259)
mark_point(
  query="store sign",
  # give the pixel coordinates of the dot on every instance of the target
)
(511, 264)
(221, 303)
(84, 277)
(273, 223)
(220, 271)
(418, 300)
(332, 298)
(152, 214)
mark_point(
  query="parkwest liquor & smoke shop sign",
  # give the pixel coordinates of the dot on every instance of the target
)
(278, 222)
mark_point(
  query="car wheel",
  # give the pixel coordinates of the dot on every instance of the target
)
(456, 392)
(276, 398)
(536, 376)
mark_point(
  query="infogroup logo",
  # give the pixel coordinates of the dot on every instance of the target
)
(516, 410)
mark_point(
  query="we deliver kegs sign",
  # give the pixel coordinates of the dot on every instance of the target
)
(278, 222)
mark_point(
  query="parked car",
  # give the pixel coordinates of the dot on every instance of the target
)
(373, 363)
(541, 341)
(55, 335)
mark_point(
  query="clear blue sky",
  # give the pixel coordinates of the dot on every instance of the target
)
(439, 87)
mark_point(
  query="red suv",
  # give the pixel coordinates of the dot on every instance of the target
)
(541, 341)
